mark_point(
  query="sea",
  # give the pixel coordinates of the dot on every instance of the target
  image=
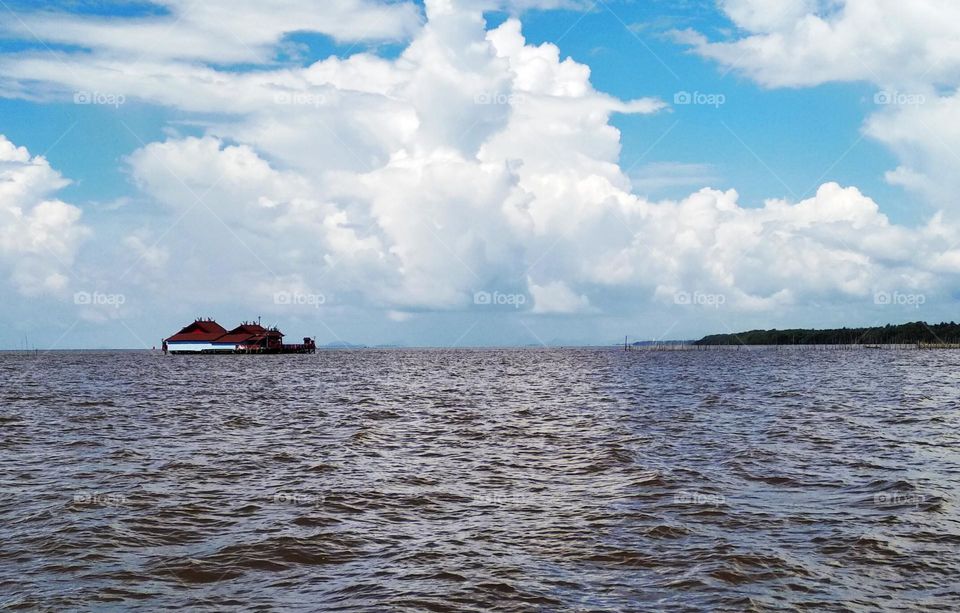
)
(481, 480)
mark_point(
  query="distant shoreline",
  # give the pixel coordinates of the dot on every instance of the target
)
(919, 333)
(793, 347)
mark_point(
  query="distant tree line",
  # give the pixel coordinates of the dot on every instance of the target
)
(915, 332)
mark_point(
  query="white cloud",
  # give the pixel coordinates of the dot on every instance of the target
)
(926, 139)
(152, 255)
(808, 42)
(557, 298)
(756, 16)
(222, 31)
(39, 235)
(833, 246)
(421, 233)
(909, 50)
(448, 207)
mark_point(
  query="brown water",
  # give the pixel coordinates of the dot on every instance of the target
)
(475, 480)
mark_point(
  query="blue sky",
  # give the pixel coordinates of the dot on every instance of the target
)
(604, 237)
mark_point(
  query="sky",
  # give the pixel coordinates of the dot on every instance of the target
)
(475, 172)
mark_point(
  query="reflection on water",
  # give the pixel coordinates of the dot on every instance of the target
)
(509, 480)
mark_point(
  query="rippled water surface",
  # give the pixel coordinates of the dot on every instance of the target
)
(475, 480)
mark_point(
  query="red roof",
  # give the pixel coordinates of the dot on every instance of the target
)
(210, 331)
(202, 330)
(241, 338)
(248, 329)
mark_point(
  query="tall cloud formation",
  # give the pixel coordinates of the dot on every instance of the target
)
(473, 161)
(39, 235)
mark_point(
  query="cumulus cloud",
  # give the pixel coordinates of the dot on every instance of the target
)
(39, 235)
(419, 216)
(909, 50)
(834, 246)
(809, 42)
(424, 233)
(925, 136)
